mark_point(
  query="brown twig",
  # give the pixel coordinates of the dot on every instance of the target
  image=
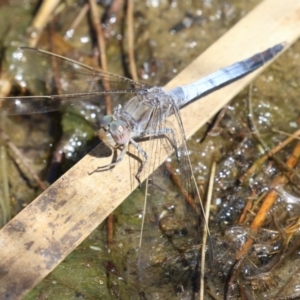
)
(78, 19)
(110, 229)
(95, 17)
(20, 160)
(247, 207)
(213, 129)
(115, 7)
(233, 278)
(250, 207)
(251, 122)
(103, 61)
(181, 188)
(258, 164)
(130, 37)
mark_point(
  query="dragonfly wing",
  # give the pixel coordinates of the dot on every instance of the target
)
(65, 76)
(171, 230)
(57, 81)
(42, 104)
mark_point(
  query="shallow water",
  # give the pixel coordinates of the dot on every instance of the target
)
(93, 273)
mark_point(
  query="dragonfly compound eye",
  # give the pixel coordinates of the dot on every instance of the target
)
(119, 132)
(106, 120)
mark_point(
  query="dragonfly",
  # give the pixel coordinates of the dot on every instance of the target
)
(143, 116)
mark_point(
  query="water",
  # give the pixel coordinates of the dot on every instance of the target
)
(143, 116)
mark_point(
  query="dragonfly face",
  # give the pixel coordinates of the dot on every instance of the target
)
(113, 133)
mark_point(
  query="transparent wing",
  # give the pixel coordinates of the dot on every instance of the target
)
(64, 80)
(42, 104)
(171, 233)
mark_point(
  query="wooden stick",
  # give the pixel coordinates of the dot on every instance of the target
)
(47, 230)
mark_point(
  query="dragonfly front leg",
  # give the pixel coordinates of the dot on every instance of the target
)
(120, 157)
(112, 164)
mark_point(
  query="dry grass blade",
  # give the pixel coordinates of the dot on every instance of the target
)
(48, 229)
(41, 19)
(205, 229)
(4, 192)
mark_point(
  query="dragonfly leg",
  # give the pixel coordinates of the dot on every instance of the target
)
(165, 132)
(143, 163)
(113, 164)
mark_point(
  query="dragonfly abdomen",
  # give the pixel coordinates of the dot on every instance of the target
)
(223, 77)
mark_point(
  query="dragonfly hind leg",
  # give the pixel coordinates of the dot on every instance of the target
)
(164, 132)
(143, 162)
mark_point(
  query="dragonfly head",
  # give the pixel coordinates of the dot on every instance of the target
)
(113, 133)
(106, 120)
